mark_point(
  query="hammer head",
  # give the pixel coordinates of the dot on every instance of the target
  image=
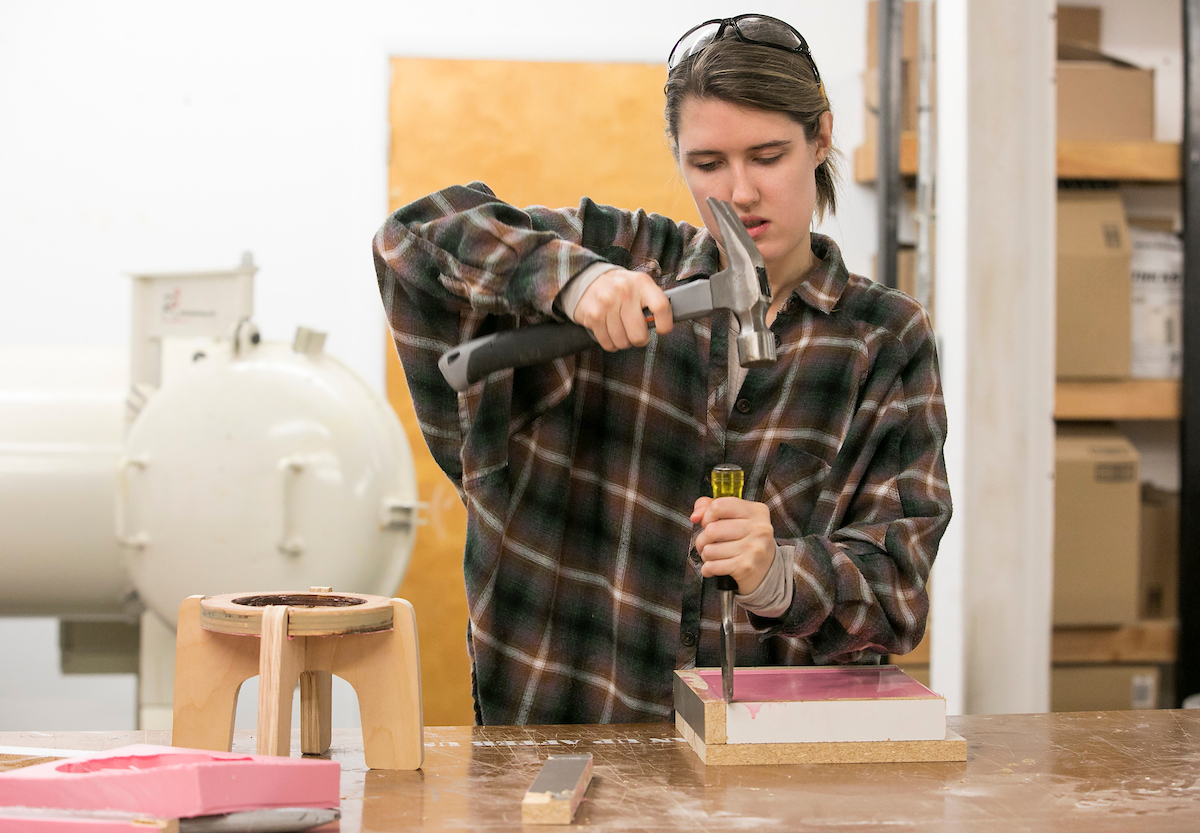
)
(742, 287)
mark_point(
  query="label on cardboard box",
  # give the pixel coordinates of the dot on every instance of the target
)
(1156, 305)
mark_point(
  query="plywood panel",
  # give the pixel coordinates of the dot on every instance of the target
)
(536, 133)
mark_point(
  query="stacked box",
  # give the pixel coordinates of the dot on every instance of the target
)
(1096, 520)
(1094, 287)
(1156, 304)
(1109, 687)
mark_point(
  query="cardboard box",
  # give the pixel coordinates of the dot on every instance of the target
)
(1097, 505)
(1090, 688)
(1156, 304)
(1094, 253)
(1102, 98)
(1158, 575)
(1079, 25)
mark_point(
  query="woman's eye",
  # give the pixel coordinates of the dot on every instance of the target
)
(706, 166)
(769, 160)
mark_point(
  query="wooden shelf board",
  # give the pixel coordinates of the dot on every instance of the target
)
(866, 159)
(1133, 161)
(1128, 161)
(1124, 399)
(1150, 641)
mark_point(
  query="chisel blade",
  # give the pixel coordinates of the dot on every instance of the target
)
(727, 648)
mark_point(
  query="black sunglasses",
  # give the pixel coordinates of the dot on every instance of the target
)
(758, 29)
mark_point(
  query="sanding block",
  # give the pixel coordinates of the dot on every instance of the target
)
(555, 794)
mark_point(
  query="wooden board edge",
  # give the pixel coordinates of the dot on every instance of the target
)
(706, 717)
(691, 738)
(953, 749)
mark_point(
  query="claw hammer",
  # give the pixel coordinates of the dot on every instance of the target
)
(741, 287)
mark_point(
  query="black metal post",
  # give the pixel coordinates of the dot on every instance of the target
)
(1187, 669)
(887, 174)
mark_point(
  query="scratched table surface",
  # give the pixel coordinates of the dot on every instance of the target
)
(1090, 771)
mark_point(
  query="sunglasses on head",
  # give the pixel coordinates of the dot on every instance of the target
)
(758, 29)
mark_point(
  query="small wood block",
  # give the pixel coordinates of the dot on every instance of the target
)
(168, 782)
(556, 792)
(852, 714)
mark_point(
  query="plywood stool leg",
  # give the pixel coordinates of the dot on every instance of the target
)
(385, 671)
(280, 663)
(209, 670)
(316, 710)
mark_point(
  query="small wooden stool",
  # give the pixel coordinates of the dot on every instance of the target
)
(368, 641)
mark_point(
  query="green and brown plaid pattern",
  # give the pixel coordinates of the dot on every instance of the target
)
(579, 475)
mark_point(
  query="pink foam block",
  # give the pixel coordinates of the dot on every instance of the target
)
(168, 782)
(853, 682)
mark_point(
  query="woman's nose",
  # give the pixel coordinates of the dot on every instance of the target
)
(744, 193)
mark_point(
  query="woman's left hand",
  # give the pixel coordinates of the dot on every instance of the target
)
(736, 539)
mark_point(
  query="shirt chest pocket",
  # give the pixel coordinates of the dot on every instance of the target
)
(794, 484)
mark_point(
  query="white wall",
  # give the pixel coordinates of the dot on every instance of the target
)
(149, 136)
(160, 137)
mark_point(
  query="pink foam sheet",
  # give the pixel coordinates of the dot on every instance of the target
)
(169, 782)
(800, 684)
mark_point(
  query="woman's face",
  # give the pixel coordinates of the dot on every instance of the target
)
(761, 163)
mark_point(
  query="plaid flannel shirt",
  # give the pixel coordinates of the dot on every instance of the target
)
(579, 475)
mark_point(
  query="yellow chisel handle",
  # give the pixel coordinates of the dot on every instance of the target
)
(727, 481)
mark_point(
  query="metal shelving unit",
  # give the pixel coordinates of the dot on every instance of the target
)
(1187, 668)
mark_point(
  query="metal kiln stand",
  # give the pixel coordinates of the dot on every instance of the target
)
(368, 641)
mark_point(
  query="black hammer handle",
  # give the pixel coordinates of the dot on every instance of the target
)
(467, 363)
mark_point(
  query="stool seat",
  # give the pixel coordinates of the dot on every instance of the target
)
(306, 638)
(316, 613)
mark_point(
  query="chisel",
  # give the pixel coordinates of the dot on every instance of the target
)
(727, 482)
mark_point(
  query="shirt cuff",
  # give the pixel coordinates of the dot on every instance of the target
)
(773, 596)
(568, 297)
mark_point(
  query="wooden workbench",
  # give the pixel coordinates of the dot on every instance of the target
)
(1099, 771)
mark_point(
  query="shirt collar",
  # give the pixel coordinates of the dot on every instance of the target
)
(821, 289)
(823, 286)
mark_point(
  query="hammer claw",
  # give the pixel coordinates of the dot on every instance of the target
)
(732, 234)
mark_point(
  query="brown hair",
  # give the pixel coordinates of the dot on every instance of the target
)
(761, 77)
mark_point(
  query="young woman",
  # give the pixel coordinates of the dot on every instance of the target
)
(590, 536)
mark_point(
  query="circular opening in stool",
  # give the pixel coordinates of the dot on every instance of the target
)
(299, 600)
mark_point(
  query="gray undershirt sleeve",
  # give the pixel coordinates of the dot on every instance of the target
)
(569, 295)
(773, 596)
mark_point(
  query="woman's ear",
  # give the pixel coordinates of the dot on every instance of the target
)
(824, 137)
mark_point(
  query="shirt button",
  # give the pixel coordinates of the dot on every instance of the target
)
(778, 340)
(742, 406)
(694, 556)
(688, 638)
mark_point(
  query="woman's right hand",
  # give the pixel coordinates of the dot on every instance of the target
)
(614, 309)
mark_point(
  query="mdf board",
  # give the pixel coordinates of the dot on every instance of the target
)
(537, 134)
(813, 715)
